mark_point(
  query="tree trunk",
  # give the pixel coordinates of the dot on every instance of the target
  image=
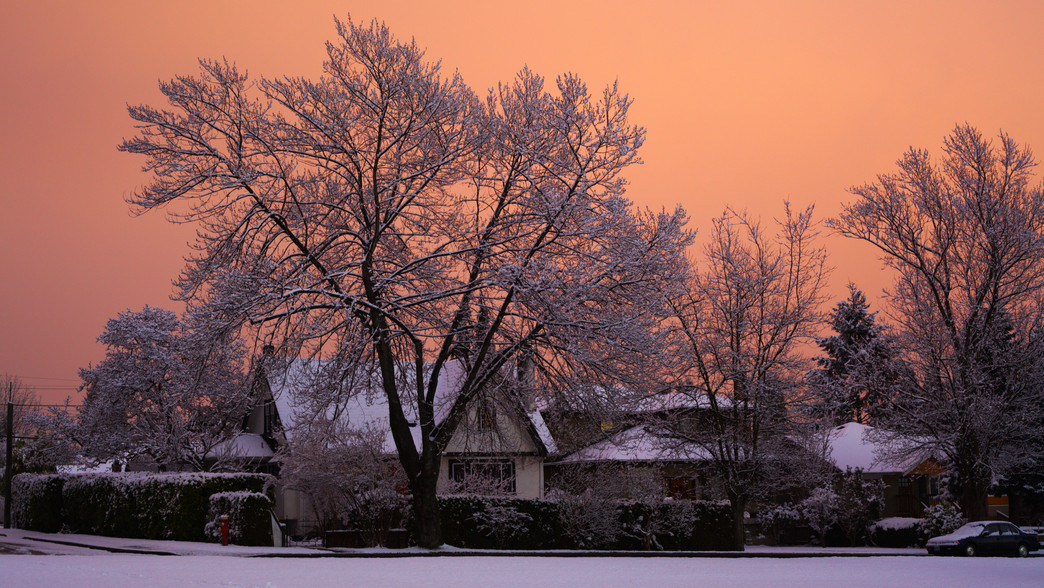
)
(974, 492)
(427, 522)
(739, 506)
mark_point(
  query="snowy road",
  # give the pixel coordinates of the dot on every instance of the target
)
(55, 571)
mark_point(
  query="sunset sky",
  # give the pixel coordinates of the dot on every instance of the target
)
(745, 104)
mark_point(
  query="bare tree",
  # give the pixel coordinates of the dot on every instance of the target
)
(23, 396)
(741, 321)
(167, 389)
(384, 215)
(965, 237)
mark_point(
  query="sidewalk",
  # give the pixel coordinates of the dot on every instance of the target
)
(30, 542)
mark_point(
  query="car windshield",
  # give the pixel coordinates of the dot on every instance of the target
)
(969, 530)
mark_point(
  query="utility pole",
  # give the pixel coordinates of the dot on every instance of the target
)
(9, 458)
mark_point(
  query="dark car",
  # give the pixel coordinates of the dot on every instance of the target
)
(985, 538)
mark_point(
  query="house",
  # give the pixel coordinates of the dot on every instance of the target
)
(628, 443)
(499, 447)
(640, 461)
(911, 484)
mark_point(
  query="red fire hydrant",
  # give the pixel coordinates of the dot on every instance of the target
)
(224, 529)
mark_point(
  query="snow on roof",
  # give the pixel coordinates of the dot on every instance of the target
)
(850, 446)
(243, 445)
(639, 443)
(369, 407)
(542, 431)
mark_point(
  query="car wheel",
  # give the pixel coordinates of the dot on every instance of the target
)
(1022, 550)
(969, 550)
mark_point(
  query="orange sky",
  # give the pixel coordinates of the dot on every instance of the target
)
(746, 105)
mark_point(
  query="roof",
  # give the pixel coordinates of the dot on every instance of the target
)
(243, 446)
(852, 446)
(638, 444)
(368, 407)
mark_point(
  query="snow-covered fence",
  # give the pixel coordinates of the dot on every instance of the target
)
(138, 505)
(248, 517)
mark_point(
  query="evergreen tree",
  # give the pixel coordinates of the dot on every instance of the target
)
(860, 371)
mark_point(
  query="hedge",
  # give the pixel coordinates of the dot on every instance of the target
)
(498, 523)
(36, 501)
(136, 505)
(249, 522)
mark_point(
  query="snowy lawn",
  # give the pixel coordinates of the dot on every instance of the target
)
(56, 571)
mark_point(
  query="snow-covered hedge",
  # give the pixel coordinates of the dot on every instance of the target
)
(497, 523)
(249, 521)
(36, 501)
(896, 532)
(138, 505)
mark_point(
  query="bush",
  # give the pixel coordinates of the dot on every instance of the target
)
(498, 523)
(36, 501)
(780, 524)
(249, 518)
(940, 520)
(470, 521)
(896, 532)
(680, 525)
(136, 505)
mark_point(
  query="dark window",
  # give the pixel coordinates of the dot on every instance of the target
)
(487, 416)
(681, 487)
(271, 418)
(904, 482)
(483, 476)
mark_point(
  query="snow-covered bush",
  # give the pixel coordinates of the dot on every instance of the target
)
(464, 526)
(348, 478)
(502, 523)
(676, 525)
(249, 518)
(778, 521)
(589, 520)
(820, 511)
(896, 532)
(940, 519)
(859, 502)
(139, 505)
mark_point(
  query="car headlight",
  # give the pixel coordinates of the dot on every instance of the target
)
(943, 543)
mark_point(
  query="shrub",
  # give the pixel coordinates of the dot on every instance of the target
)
(137, 505)
(36, 501)
(249, 518)
(466, 522)
(896, 532)
(681, 525)
(940, 520)
(820, 511)
(779, 523)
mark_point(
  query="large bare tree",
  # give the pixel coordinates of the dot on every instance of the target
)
(965, 238)
(742, 319)
(383, 216)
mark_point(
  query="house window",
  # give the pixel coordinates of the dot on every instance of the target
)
(487, 417)
(681, 488)
(483, 476)
(271, 418)
(904, 482)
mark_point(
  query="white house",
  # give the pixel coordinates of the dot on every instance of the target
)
(500, 439)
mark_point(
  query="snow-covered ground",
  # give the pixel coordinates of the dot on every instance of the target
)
(202, 564)
(27, 571)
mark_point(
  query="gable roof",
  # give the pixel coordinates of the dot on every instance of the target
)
(852, 446)
(638, 444)
(367, 407)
